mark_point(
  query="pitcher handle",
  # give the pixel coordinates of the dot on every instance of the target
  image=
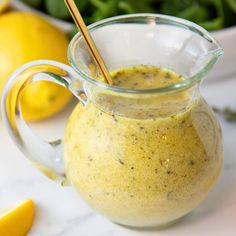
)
(45, 153)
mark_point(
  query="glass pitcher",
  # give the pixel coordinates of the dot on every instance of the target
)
(141, 157)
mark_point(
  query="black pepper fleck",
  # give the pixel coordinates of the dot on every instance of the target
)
(191, 163)
(161, 162)
(168, 75)
(121, 162)
(114, 118)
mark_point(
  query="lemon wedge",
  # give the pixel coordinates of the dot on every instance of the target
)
(4, 5)
(17, 220)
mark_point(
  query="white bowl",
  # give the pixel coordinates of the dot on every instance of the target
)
(20, 6)
(226, 66)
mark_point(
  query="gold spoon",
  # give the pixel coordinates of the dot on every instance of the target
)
(88, 39)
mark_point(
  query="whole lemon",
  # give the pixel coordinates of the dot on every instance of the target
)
(25, 37)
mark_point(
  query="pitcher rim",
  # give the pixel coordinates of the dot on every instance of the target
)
(171, 20)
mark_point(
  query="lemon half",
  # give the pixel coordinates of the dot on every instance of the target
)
(17, 221)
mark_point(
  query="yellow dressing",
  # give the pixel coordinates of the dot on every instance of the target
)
(147, 167)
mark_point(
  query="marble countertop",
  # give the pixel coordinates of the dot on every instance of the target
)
(61, 212)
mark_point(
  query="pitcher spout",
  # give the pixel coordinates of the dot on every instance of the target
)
(207, 52)
(210, 59)
(217, 53)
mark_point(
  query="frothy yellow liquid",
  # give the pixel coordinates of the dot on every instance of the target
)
(144, 170)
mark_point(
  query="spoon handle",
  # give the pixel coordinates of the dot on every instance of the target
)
(88, 39)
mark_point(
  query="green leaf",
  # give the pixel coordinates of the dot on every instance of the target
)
(232, 5)
(227, 113)
(58, 9)
(33, 3)
(195, 13)
(229, 12)
(211, 14)
(207, 13)
(214, 24)
(134, 6)
(72, 32)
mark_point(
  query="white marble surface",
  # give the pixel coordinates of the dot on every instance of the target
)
(61, 212)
